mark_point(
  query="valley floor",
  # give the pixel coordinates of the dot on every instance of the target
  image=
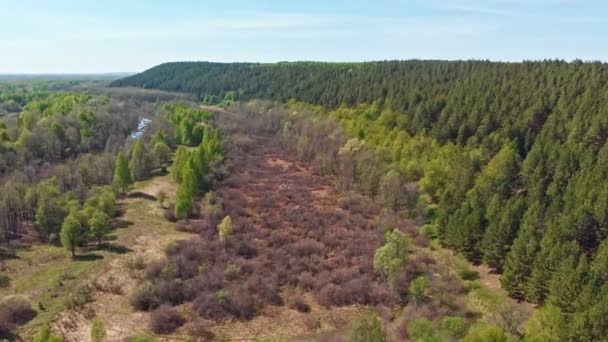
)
(267, 173)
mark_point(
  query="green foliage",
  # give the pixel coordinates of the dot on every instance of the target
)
(103, 199)
(98, 330)
(46, 335)
(391, 190)
(546, 324)
(485, 333)
(142, 337)
(139, 164)
(99, 226)
(452, 326)
(51, 208)
(185, 193)
(366, 328)
(418, 289)
(188, 123)
(72, 233)
(162, 154)
(122, 173)
(225, 229)
(422, 330)
(389, 258)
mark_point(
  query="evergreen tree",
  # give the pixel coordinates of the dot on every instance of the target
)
(499, 237)
(519, 261)
(567, 283)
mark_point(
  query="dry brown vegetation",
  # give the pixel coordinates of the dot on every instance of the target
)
(293, 231)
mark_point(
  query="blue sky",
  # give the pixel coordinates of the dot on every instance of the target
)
(132, 35)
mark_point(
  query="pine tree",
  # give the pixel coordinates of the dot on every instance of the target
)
(567, 283)
(122, 173)
(545, 264)
(519, 261)
(499, 236)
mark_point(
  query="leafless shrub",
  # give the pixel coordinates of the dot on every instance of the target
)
(199, 328)
(165, 320)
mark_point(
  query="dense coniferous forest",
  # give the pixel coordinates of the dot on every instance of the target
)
(511, 158)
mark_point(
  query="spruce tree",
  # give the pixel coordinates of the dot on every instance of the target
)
(519, 262)
(499, 236)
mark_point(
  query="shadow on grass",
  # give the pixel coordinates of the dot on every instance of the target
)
(142, 195)
(120, 223)
(87, 257)
(115, 248)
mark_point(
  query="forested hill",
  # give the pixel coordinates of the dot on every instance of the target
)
(453, 100)
(512, 157)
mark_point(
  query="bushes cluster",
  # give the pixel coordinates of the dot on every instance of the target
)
(15, 311)
(166, 320)
(280, 236)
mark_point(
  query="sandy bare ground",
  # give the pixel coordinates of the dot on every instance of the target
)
(148, 234)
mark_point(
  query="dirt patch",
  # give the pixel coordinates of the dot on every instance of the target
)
(146, 238)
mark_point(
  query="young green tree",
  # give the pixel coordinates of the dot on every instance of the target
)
(50, 210)
(122, 173)
(162, 154)
(391, 190)
(546, 324)
(139, 161)
(185, 193)
(225, 229)
(99, 226)
(418, 289)
(389, 258)
(485, 333)
(421, 329)
(72, 233)
(366, 328)
(46, 335)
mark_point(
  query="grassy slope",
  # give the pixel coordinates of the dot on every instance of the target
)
(49, 277)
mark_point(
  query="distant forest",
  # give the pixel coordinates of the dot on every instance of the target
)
(512, 158)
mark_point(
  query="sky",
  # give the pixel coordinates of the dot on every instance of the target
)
(86, 36)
